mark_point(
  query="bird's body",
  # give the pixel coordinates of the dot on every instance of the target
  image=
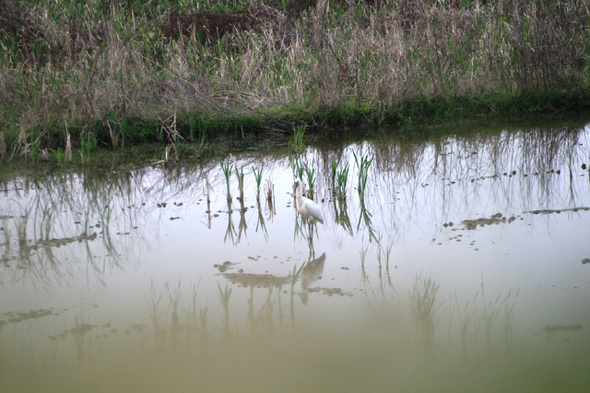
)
(307, 208)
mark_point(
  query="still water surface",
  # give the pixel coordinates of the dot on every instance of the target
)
(465, 267)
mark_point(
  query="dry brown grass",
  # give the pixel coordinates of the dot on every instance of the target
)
(269, 64)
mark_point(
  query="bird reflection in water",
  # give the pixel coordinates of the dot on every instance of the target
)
(311, 272)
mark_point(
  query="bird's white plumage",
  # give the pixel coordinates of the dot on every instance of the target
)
(307, 208)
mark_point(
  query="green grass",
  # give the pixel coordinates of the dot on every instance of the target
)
(297, 142)
(339, 179)
(258, 177)
(363, 173)
(226, 169)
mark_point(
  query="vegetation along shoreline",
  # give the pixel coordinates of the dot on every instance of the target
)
(102, 73)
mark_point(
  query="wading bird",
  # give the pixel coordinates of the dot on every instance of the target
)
(307, 208)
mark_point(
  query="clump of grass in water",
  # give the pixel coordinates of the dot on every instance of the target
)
(363, 173)
(310, 174)
(240, 177)
(297, 167)
(258, 177)
(226, 169)
(334, 168)
(340, 179)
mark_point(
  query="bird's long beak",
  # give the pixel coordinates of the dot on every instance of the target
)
(294, 193)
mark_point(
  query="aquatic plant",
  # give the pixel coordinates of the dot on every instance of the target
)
(363, 172)
(309, 171)
(258, 177)
(226, 169)
(240, 177)
(230, 231)
(333, 169)
(297, 166)
(342, 181)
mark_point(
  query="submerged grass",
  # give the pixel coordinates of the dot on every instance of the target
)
(234, 69)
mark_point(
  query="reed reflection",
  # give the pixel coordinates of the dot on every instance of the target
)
(341, 216)
(50, 226)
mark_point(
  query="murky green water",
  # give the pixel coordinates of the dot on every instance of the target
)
(465, 268)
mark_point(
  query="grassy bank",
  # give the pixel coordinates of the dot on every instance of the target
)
(82, 74)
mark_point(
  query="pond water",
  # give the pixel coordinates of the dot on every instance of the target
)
(464, 267)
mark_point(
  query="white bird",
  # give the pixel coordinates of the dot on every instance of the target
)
(307, 208)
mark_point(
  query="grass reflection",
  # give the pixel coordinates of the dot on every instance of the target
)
(184, 335)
